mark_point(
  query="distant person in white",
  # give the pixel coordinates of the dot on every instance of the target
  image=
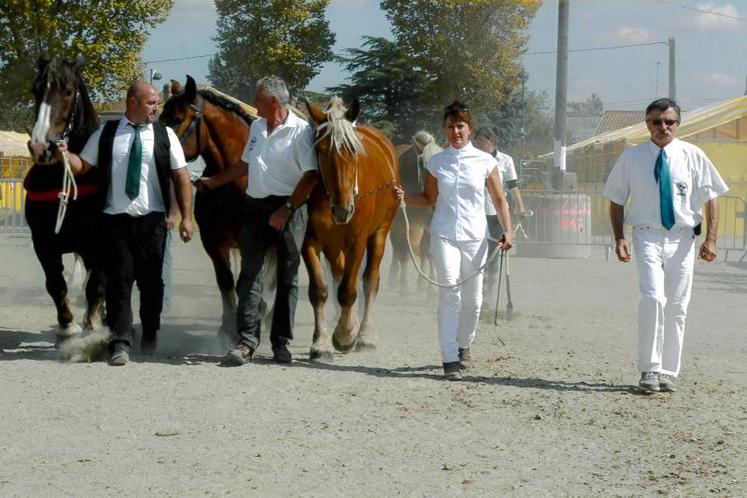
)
(665, 256)
(455, 183)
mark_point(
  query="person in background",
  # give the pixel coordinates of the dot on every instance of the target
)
(456, 183)
(666, 181)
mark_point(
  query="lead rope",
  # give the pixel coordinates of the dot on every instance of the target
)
(68, 186)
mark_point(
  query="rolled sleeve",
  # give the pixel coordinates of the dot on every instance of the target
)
(305, 152)
(617, 189)
(90, 152)
(176, 152)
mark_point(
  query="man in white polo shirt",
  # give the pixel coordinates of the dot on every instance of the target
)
(281, 162)
(666, 181)
(137, 159)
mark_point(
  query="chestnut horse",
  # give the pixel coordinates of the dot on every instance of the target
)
(64, 111)
(217, 128)
(350, 213)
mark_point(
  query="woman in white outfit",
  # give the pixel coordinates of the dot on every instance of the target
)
(456, 185)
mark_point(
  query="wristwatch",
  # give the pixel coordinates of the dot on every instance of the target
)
(288, 204)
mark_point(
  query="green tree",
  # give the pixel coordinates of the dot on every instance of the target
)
(289, 38)
(389, 85)
(110, 36)
(468, 48)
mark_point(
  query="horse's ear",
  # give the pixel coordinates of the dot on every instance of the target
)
(42, 63)
(176, 87)
(317, 115)
(352, 113)
(191, 89)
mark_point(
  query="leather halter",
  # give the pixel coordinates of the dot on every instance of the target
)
(195, 124)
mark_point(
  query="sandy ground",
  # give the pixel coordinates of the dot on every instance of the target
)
(552, 413)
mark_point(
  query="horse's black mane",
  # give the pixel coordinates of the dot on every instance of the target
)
(226, 104)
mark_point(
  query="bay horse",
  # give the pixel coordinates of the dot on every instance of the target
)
(215, 127)
(413, 173)
(63, 111)
(350, 213)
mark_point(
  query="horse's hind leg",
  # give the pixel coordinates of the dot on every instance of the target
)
(346, 331)
(95, 290)
(321, 347)
(376, 244)
(224, 278)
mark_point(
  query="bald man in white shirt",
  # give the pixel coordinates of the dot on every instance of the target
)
(666, 181)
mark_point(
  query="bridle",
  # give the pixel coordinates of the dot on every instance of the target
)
(194, 125)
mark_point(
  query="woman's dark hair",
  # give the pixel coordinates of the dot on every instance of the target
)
(458, 111)
(662, 105)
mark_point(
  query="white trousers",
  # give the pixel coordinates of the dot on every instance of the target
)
(458, 307)
(665, 261)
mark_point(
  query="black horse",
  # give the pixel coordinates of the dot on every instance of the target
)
(64, 111)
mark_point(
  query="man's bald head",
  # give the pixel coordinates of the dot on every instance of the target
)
(142, 103)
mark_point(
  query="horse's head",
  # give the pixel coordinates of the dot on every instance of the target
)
(338, 147)
(58, 98)
(183, 113)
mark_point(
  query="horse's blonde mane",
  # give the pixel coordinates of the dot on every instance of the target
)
(429, 151)
(341, 132)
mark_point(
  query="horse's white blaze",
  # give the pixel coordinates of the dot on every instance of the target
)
(42, 125)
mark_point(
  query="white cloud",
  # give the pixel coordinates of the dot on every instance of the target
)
(703, 21)
(629, 34)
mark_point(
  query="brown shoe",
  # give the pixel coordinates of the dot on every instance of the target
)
(238, 356)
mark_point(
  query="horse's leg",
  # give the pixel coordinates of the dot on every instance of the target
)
(95, 290)
(51, 263)
(376, 245)
(321, 346)
(396, 236)
(346, 331)
(221, 258)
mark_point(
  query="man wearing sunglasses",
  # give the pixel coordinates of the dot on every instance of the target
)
(663, 185)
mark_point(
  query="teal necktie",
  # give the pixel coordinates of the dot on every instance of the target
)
(134, 164)
(664, 179)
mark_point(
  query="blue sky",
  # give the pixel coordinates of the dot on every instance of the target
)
(710, 47)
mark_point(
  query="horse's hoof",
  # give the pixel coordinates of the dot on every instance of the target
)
(321, 356)
(343, 348)
(71, 329)
(365, 346)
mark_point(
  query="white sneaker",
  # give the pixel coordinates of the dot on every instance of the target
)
(666, 383)
(649, 382)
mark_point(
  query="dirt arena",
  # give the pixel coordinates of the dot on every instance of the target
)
(551, 413)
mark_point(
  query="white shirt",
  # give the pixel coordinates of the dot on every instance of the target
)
(149, 198)
(278, 161)
(460, 207)
(694, 181)
(508, 173)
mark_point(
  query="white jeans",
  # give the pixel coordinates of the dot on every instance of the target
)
(665, 261)
(459, 307)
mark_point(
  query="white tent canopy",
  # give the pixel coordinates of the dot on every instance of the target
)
(13, 144)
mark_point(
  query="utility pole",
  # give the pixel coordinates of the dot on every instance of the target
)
(672, 73)
(561, 87)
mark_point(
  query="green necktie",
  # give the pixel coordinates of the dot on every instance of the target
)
(132, 186)
(666, 202)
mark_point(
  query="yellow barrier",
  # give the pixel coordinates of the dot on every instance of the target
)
(11, 194)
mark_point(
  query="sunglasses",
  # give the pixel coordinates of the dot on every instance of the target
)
(659, 122)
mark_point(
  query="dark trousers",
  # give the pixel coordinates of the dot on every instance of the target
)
(256, 237)
(133, 252)
(495, 230)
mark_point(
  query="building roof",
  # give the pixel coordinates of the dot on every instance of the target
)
(581, 127)
(614, 120)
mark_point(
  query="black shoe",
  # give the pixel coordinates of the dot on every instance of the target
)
(465, 359)
(451, 371)
(148, 346)
(280, 354)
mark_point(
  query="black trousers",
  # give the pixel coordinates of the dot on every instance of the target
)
(132, 250)
(256, 237)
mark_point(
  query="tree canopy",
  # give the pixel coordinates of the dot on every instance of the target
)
(468, 48)
(288, 38)
(110, 36)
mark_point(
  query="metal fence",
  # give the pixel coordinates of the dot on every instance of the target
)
(12, 205)
(570, 224)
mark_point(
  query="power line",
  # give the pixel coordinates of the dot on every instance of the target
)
(180, 58)
(703, 11)
(610, 47)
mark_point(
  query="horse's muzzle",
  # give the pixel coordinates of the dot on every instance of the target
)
(42, 153)
(342, 215)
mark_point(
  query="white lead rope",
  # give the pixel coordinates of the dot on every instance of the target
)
(68, 186)
(490, 259)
